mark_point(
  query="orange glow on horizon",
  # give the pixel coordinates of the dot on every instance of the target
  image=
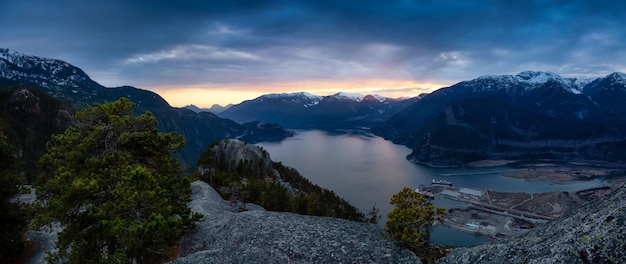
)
(206, 96)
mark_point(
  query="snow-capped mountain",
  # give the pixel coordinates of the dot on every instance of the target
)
(531, 115)
(343, 96)
(43, 71)
(613, 82)
(525, 82)
(301, 98)
(57, 76)
(304, 110)
(357, 97)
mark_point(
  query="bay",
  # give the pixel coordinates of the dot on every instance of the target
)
(368, 170)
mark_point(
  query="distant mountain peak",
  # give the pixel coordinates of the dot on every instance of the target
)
(215, 108)
(537, 77)
(306, 99)
(617, 77)
(193, 107)
(288, 95)
(358, 97)
(529, 80)
(315, 99)
(46, 72)
(7, 53)
(529, 77)
(26, 61)
(348, 96)
(374, 97)
(306, 111)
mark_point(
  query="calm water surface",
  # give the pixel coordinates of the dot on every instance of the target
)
(367, 171)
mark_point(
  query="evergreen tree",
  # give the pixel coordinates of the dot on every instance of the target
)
(111, 183)
(410, 222)
(373, 216)
(13, 216)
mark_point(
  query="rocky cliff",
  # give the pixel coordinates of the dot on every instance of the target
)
(233, 151)
(594, 233)
(258, 236)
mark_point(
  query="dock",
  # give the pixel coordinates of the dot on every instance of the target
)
(426, 194)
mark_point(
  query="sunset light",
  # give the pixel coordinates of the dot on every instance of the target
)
(312, 131)
(233, 94)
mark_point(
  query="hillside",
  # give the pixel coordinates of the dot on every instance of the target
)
(70, 84)
(28, 118)
(532, 115)
(242, 172)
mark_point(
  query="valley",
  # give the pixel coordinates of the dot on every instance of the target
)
(312, 132)
(520, 151)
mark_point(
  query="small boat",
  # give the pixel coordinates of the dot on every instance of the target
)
(441, 182)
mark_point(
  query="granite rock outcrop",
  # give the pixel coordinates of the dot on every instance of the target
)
(259, 236)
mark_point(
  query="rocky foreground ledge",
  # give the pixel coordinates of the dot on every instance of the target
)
(259, 236)
(594, 233)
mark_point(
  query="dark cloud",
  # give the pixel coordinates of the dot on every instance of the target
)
(149, 43)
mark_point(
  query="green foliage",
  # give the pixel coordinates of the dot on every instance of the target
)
(259, 185)
(13, 216)
(112, 184)
(410, 222)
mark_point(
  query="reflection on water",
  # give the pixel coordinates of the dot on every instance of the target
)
(366, 171)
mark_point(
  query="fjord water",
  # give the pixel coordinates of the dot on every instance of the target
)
(368, 170)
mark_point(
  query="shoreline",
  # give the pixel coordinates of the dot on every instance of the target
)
(555, 172)
(542, 170)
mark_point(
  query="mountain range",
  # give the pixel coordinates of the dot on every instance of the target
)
(303, 110)
(531, 115)
(528, 116)
(70, 84)
(215, 108)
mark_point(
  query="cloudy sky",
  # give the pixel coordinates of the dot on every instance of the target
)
(205, 52)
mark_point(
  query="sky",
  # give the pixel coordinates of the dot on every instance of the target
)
(209, 51)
